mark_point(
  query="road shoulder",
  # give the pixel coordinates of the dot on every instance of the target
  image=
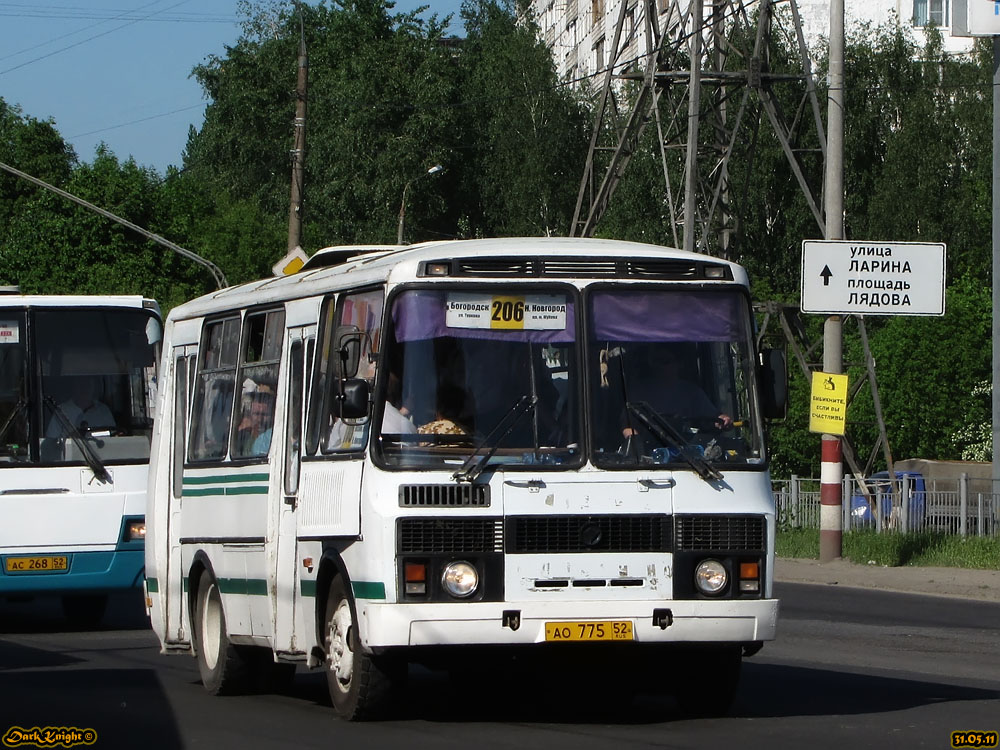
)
(964, 583)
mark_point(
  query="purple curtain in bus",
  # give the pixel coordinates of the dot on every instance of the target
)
(623, 315)
(420, 315)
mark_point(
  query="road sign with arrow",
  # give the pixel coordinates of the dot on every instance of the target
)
(841, 277)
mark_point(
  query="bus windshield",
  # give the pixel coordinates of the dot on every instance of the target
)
(671, 379)
(480, 372)
(76, 385)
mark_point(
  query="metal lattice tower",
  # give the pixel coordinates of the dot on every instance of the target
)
(705, 83)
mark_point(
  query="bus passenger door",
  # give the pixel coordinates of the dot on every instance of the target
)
(290, 452)
(182, 361)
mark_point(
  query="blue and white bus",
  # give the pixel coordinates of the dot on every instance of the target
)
(77, 387)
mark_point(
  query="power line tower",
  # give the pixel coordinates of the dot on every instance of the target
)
(705, 79)
(706, 75)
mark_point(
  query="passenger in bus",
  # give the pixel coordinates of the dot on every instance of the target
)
(659, 383)
(82, 410)
(254, 432)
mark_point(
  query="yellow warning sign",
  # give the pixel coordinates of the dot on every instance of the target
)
(828, 403)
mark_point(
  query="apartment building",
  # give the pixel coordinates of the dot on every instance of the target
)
(580, 32)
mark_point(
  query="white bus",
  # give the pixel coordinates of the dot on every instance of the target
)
(77, 382)
(427, 450)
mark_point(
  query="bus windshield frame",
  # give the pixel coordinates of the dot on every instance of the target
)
(455, 378)
(77, 384)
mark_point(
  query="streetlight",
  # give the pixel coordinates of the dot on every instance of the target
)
(402, 205)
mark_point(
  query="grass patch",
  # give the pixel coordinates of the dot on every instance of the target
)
(919, 549)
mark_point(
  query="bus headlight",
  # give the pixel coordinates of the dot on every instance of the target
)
(460, 579)
(135, 531)
(710, 577)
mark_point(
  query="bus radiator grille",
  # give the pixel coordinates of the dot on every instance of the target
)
(704, 533)
(606, 533)
(449, 535)
(444, 496)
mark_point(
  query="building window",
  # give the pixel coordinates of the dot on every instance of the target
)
(597, 9)
(928, 12)
(599, 55)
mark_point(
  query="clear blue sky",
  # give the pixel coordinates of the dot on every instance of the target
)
(118, 71)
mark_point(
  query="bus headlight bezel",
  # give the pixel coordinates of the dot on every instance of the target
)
(460, 579)
(711, 577)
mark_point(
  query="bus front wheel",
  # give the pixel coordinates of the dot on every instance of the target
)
(223, 667)
(361, 685)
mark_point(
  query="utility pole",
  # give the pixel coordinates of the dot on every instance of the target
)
(299, 150)
(832, 468)
(694, 109)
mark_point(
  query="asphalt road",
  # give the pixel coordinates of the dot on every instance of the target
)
(851, 668)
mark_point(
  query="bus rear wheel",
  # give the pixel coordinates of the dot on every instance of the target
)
(361, 685)
(224, 668)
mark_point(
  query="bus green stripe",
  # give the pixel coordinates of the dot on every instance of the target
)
(216, 491)
(220, 478)
(368, 589)
(248, 586)
(152, 586)
(308, 588)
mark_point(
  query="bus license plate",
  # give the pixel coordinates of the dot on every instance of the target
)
(40, 564)
(607, 630)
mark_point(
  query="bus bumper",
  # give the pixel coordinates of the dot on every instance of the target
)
(112, 570)
(701, 621)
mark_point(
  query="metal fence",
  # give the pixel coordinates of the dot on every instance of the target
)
(941, 505)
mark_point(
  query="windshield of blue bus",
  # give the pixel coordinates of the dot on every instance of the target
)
(492, 372)
(75, 384)
(671, 378)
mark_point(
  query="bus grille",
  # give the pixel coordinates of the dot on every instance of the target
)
(444, 495)
(594, 268)
(617, 533)
(434, 535)
(703, 533)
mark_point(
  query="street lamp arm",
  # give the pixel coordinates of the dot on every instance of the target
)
(220, 278)
(436, 169)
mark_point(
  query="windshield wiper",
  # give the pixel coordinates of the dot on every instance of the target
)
(99, 469)
(475, 463)
(668, 435)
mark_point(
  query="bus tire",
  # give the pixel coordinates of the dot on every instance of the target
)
(709, 682)
(84, 610)
(224, 668)
(361, 685)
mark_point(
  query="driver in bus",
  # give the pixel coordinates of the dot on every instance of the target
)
(661, 386)
(82, 410)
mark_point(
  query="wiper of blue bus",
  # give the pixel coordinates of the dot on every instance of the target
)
(475, 463)
(669, 436)
(99, 469)
(20, 406)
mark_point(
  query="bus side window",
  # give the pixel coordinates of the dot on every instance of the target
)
(258, 379)
(215, 387)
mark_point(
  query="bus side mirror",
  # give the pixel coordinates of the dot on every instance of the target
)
(347, 356)
(773, 383)
(351, 402)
